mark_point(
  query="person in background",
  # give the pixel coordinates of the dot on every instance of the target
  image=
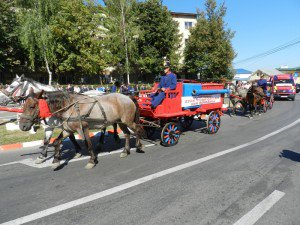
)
(113, 88)
(262, 82)
(77, 89)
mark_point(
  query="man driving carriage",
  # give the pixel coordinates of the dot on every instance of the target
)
(262, 82)
(167, 82)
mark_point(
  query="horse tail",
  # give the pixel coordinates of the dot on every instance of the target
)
(137, 111)
(140, 129)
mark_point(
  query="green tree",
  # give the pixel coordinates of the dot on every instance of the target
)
(123, 32)
(11, 52)
(209, 50)
(160, 37)
(35, 18)
(79, 34)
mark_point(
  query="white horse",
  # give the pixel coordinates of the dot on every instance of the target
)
(20, 88)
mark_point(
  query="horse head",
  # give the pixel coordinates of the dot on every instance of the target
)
(31, 110)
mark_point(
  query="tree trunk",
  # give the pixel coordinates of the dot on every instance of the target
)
(125, 42)
(48, 69)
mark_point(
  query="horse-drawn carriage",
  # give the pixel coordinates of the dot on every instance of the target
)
(190, 100)
(253, 98)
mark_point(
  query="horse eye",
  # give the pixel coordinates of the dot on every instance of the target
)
(32, 107)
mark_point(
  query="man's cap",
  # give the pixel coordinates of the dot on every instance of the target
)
(167, 64)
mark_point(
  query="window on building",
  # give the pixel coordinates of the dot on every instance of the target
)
(188, 25)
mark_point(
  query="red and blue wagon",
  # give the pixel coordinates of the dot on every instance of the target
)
(189, 101)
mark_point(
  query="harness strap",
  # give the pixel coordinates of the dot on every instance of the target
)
(103, 112)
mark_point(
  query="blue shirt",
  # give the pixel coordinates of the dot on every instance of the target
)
(168, 81)
(262, 83)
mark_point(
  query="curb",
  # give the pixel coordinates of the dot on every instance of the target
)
(15, 146)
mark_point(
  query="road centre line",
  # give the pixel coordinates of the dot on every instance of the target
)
(259, 210)
(122, 187)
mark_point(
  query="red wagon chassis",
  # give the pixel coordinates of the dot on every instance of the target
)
(181, 106)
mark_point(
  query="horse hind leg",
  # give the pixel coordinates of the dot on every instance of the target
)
(126, 150)
(78, 149)
(139, 132)
(116, 135)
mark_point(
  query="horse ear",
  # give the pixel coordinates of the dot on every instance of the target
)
(31, 91)
(39, 95)
(17, 76)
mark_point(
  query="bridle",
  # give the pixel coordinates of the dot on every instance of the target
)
(32, 118)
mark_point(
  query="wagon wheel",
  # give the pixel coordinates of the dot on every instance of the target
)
(170, 134)
(149, 131)
(270, 105)
(186, 122)
(213, 122)
(265, 106)
(239, 108)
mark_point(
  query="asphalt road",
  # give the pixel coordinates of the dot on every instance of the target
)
(195, 182)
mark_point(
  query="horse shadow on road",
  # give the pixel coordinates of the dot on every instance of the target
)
(294, 156)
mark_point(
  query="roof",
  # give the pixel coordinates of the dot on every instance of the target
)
(242, 71)
(268, 72)
(183, 14)
(289, 69)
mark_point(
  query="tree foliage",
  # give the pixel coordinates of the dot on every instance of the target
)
(11, 52)
(35, 18)
(124, 31)
(79, 34)
(209, 50)
(160, 37)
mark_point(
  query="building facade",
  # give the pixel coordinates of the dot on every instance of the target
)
(185, 22)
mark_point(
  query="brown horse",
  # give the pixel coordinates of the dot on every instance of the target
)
(79, 113)
(254, 98)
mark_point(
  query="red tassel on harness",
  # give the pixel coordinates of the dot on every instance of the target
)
(44, 109)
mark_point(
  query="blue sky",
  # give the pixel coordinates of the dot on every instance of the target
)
(259, 25)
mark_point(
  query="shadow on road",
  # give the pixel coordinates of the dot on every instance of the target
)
(294, 156)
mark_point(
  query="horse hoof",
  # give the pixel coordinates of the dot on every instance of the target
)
(77, 155)
(90, 166)
(40, 160)
(123, 154)
(55, 165)
(140, 151)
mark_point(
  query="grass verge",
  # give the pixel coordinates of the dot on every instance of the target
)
(18, 136)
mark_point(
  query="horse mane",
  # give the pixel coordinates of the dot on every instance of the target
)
(57, 99)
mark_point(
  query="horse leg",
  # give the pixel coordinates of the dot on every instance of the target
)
(47, 137)
(139, 132)
(76, 145)
(116, 135)
(126, 150)
(101, 139)
(88, 143)
(57, 143)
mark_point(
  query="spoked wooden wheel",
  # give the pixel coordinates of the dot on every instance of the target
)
(213, 122)
(265, 106)
(170, 134)
(186, 122)
(270, 105)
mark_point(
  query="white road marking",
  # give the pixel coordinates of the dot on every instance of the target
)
(122, 187)
(48, 163)
(10, 163)
(258, 211)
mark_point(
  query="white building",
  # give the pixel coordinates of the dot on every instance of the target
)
(185, 22)
(242, 75)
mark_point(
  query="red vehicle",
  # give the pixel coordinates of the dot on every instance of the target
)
(283, 86)
(181, 106)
